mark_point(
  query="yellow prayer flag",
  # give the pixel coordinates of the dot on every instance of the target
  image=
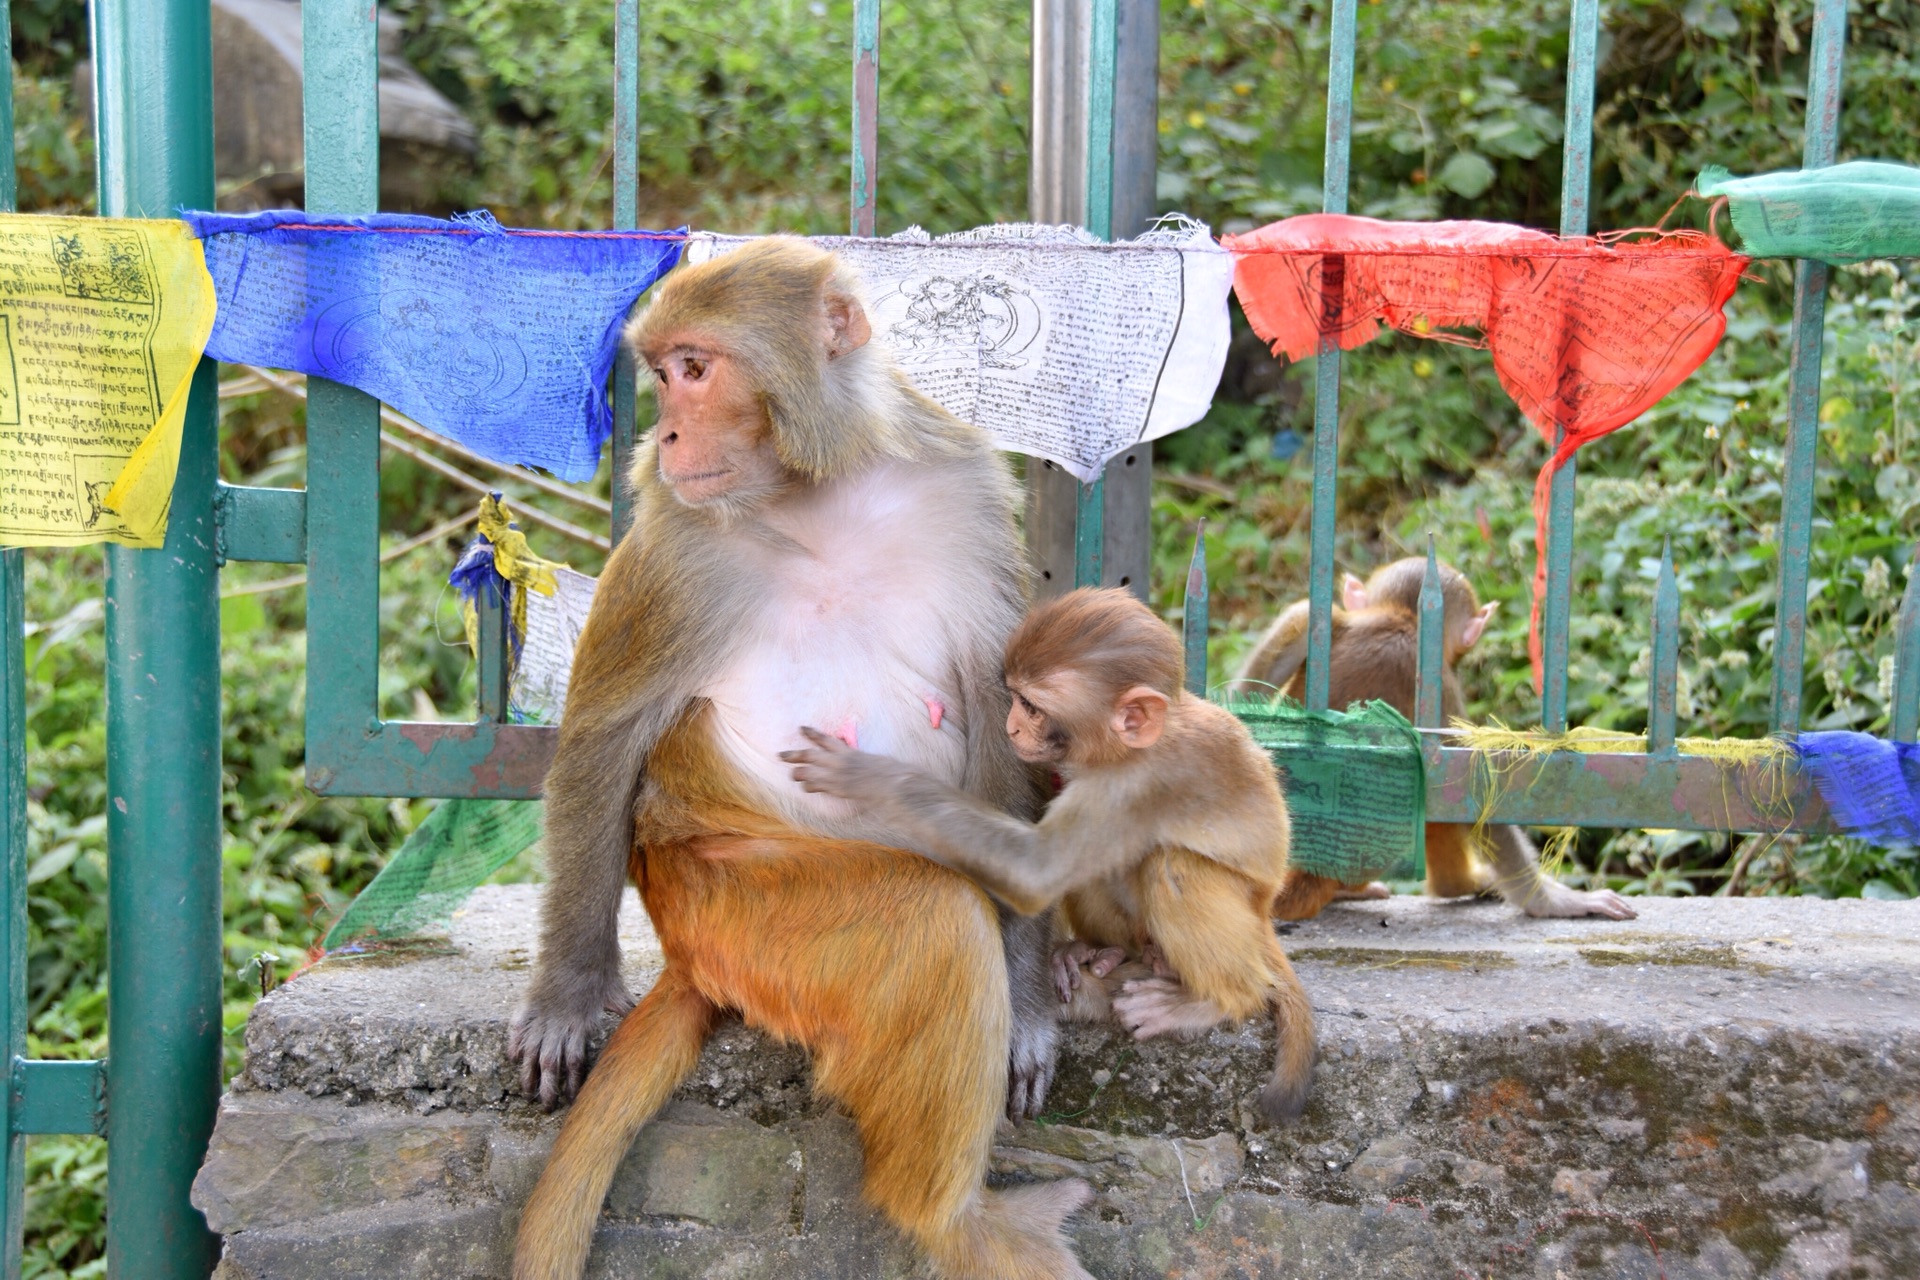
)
(102, 323)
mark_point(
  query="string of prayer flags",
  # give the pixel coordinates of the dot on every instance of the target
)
(1356, 787)
(455, 851)
(1586, 334)
(1871, 785)
(102, 326)
(547, 605)
(1845, 213)
(502, 340)
(1059, 345)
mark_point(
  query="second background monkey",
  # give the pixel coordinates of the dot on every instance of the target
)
(1376, 654)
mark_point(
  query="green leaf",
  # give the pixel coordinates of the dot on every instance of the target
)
(240, 615)
(1466, 173)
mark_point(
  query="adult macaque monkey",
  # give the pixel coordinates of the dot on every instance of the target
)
(1168, 840)
(816, 543)
(1376, 654)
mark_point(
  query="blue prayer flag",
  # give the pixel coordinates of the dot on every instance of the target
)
(1872, 786)
(500, 339)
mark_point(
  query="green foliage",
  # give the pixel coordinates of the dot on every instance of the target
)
(53, 151)
(743, 109)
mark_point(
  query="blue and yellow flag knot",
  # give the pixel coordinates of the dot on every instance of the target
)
(499, 559)
(102, 323)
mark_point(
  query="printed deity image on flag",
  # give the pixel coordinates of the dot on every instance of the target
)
(1058, 345)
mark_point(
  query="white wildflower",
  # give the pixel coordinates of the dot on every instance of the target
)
(1877, 577)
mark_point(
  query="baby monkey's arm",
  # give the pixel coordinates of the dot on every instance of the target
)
(1027, 866)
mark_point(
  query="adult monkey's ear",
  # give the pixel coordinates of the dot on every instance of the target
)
(847, 327)
(1140, 717)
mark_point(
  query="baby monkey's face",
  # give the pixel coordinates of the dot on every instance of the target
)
(1037, 737)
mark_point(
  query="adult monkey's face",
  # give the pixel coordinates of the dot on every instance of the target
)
(713, 439)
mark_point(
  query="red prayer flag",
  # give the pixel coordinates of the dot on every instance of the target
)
(1586, 333)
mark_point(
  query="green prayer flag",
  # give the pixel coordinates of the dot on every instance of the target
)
(1844, 213)
(1356, 785)
(446, 858)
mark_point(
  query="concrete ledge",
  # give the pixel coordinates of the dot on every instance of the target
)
(1727, 1089)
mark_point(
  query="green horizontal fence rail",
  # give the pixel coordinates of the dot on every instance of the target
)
(152, 86)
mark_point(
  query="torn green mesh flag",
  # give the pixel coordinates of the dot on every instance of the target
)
(1845, 213)
(1356, 787)
(445, 859)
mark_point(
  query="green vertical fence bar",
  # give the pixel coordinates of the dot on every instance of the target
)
(13, 791)
(13, 866)
(866, 114)
(1429, 688)
(1803, 394)
(1326, 374)
(1906, 657)
(1663, 678)
(153, 95)
(1193, 619)
(342, 124)
(1090, 524)
(626, 214)
(1576, 180)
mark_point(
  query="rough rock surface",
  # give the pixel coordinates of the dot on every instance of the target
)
(1718, 1089)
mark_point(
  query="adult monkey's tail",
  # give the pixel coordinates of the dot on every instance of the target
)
(648, 1055)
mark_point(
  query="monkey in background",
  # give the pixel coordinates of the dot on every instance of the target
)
(1376, 654)
(816, 542)
(1166, 845)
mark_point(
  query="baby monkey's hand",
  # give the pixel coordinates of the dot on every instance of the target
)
(831, 767)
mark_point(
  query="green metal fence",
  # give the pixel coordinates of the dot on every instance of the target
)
(153, 72)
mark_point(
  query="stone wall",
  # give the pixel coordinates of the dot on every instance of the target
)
(1720, 1088)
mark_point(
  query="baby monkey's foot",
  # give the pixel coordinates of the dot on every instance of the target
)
(1155, 959)
(1373, 889)
(1151, 1007)
(1071, 958)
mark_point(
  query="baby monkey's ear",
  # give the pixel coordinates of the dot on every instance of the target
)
(1353, 594)
(1477, 625)
(1140, 717)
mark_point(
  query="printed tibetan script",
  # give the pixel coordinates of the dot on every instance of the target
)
(102, 322)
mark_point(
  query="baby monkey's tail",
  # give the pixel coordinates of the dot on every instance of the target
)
(1285, 1096)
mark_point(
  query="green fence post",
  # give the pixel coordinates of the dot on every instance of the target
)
(13, 792)
(1803, 380)
(1576, 178)
(153, 90)
(13, 866)
(626, 216)
(1326, 364)
(866, 116)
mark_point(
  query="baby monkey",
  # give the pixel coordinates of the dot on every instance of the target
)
(1165, 846)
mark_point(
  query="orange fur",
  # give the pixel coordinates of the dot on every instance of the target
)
(747, 922)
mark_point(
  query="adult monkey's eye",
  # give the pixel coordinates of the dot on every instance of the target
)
(659, 375)
(695, 367)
